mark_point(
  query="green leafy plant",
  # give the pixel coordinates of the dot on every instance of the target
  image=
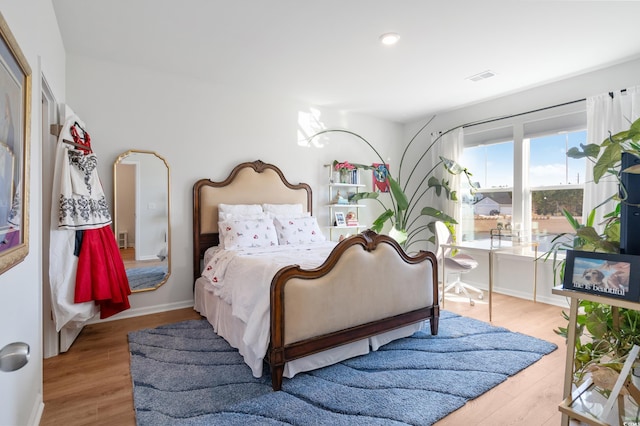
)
(603, 340)
(406, 227)
(608, 164)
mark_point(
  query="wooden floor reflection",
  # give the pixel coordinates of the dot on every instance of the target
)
(129, 259)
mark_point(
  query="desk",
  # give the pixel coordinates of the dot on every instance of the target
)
(486, 247)
(575, 297)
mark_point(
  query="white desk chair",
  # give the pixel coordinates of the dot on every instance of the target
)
(459, 264)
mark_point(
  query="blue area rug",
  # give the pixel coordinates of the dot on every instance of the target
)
(146, 277)
(184, 374)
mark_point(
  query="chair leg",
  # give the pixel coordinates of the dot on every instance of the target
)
(472, 288)
(461, 287)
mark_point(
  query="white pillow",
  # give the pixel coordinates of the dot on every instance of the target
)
(284, 210)
(237, 234)
(238, 212)
(222, 216)
(301, 230)
(239, 209)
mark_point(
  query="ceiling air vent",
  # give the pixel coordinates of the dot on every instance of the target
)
(482, 76)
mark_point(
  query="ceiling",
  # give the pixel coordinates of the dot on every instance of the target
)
(327, 52)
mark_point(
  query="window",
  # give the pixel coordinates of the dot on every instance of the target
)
(524, 177)
(556, 184)
(492, 168)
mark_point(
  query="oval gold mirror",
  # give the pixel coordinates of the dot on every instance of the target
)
(141, 217)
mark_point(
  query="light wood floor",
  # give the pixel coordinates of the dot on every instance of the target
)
(91, 384)
(129, 259)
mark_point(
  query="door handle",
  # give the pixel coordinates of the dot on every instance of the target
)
(14, 356)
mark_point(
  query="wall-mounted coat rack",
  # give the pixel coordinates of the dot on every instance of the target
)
(56, 129)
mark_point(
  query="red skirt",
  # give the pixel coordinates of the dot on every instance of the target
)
(101, 275)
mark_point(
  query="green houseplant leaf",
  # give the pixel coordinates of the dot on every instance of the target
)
(403, 213)
(600, 339)
(607, 161)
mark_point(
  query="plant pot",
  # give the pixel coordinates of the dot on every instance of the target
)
(400, 235)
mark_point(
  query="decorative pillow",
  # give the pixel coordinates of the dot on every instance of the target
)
(284, 210)
(237, 212)
(301, 230)
(237, 234)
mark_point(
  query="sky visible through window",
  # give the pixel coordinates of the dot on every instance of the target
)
(492, 165)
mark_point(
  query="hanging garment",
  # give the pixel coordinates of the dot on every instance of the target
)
(96, 278)
(63, 264)
(101, 275)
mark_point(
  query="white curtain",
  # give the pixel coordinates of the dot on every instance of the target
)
(606, 113)
(450, 146)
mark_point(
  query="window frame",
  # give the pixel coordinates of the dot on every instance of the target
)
(520, 130)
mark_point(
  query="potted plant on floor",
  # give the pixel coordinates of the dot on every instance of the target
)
(603, 340)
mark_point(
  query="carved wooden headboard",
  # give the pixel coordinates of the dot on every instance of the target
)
(253, 182)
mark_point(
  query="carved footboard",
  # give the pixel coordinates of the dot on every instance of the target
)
(367, 286)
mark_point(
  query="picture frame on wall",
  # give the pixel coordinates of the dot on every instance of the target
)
(380, 177)
(15, 125)
(605, 274)
(340, 219)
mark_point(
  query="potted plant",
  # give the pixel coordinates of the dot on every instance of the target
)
(400, 210)
(603, 340)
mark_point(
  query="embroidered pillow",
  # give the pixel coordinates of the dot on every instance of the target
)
(237, 233)
(237, 212)
(301, 230)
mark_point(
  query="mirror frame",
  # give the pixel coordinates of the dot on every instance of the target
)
(15, 85)
(115, 210)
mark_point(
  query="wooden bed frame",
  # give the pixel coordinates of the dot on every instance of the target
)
(367, 286)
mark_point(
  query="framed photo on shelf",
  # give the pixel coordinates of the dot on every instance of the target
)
(604, 274)
(340, 219)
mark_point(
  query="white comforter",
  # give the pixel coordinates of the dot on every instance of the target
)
(243, 278)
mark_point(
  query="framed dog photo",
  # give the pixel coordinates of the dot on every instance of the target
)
(340, 219)
(604, 274)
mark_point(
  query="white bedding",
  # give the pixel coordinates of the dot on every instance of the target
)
(240, 314)
(242, 278)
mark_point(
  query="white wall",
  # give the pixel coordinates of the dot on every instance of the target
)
(34, 27)
(202, 131)
(509, 276)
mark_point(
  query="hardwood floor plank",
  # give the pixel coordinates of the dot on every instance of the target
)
(91, 383)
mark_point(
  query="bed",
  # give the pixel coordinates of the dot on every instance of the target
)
(345, 300)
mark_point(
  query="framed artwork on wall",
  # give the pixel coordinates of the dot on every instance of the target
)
(380, 177)
(15, 124)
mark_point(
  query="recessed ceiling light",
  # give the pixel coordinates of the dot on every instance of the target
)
(389, 39)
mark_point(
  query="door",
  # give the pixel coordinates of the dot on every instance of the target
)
(49, 117)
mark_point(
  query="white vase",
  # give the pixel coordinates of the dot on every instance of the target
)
(399, 235)
(344, 176)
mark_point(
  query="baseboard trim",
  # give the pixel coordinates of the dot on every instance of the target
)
(147, 310)
(37, 411)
